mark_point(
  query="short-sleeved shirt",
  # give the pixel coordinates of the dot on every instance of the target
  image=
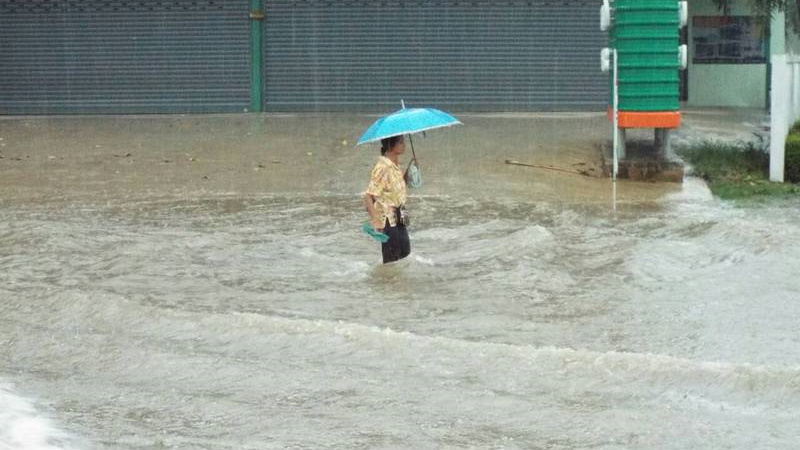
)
(387, 185)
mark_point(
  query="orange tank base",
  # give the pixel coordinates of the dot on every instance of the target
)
(637, 119)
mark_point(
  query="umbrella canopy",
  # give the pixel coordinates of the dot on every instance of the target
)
(407, 121)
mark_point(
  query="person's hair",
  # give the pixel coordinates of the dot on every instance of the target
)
(388, 143)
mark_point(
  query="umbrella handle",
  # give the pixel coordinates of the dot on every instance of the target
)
(411, 140)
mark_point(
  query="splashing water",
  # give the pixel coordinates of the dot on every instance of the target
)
(23, 428)
(267, 322)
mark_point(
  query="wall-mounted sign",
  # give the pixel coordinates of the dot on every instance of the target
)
(727, 40)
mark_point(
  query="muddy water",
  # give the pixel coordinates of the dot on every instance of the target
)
(254, 322)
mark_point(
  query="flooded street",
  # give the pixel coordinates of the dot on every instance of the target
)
(184, 263)
(267, 323)
(525, 318)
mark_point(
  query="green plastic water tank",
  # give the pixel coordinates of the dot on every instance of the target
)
(646, 35)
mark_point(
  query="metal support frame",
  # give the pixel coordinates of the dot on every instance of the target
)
(615, 112)
(662, 142)
(256, 58)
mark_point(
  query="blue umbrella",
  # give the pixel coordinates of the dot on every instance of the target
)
(407, 121)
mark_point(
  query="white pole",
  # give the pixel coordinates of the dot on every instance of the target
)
(614, 195)
(779, 126)
(615, 111)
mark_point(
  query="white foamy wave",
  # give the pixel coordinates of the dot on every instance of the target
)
(423, 260)
(464, 231)
(497, 245)
(23, 428)
(774, 384)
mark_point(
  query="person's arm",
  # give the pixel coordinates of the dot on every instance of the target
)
(369, 204)
(377, 183)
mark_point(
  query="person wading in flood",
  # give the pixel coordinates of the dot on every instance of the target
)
(386, 197)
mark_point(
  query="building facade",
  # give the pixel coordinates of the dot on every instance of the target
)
(168, 56)
(195, 56)
(730, 55)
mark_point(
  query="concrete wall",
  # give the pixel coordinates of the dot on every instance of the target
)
(729, 85)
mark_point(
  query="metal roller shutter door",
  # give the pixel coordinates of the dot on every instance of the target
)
(123, 56)
(511, 55)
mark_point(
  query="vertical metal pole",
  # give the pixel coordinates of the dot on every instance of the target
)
(256, 60)
(768, 44)
(615, 107)
(614, 195)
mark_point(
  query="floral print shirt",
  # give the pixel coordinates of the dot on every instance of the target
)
(388, 186)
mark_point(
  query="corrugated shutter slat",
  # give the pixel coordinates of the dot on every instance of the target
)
(332, 55)
(124, 56)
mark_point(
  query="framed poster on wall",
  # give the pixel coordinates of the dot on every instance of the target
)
(727, 40)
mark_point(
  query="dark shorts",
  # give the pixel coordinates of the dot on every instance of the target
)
(398, 246)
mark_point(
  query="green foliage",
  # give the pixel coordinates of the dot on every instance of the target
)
(715, 160)
(751, 189)
(792, 161)
(735, 170)
(764, 10)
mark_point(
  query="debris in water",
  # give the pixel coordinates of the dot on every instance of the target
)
(556, 169)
